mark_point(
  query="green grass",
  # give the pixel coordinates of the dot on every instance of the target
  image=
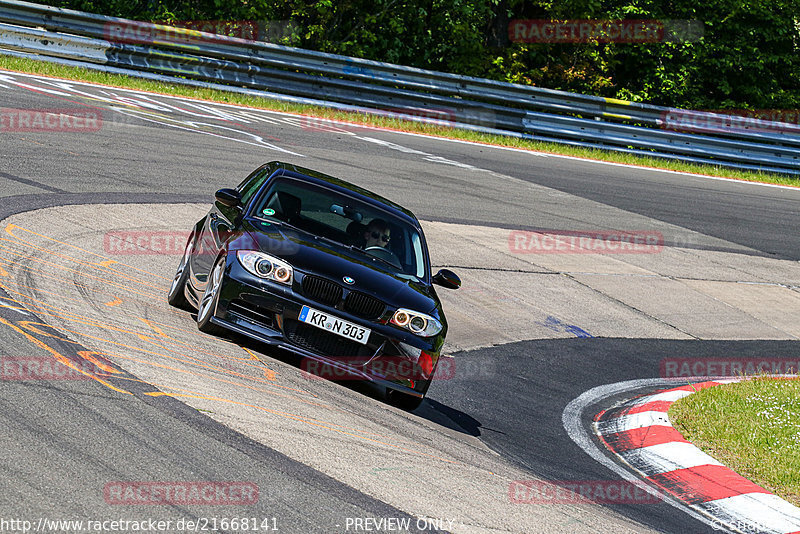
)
(75, 73)
(753, 427)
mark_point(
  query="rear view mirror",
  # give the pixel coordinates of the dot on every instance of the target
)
(447, 279)
(228, 197)
(346, 211)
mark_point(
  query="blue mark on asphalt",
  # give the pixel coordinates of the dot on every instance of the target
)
(557, 325)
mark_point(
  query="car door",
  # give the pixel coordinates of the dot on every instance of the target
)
(220, 225)
(205, 249)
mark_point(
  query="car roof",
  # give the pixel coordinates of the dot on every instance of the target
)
(344, 186)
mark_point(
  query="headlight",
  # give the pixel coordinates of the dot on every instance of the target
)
(419, 323)
(266, 266)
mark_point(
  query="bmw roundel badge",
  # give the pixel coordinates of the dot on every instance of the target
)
(348, 280)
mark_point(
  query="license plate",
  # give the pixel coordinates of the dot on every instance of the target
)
(328, 322)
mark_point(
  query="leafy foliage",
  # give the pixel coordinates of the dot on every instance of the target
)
(748, 56)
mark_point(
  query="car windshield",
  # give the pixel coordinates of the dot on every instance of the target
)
(347, 220)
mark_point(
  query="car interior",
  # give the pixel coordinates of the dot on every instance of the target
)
(290, 208)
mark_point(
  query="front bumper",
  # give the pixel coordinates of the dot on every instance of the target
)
(268, 312)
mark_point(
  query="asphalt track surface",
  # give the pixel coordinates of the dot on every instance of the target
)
(68, 438)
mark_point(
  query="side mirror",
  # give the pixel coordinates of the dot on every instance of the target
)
(447, 278)
(228, 197)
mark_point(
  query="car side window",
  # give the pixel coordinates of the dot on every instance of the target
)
(252, 184)
(247, 180)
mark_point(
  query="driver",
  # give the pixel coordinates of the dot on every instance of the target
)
(377, 234)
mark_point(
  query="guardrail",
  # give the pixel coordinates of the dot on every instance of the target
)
(476, 103)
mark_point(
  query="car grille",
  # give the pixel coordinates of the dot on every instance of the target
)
(363, 305)
(247, 312)
(322, 290)
(330, 293)
(322, 342)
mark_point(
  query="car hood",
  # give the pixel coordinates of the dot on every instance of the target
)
(325, 258)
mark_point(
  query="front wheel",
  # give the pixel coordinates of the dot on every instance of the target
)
(404, 401)
(208, 304)
(176, 296)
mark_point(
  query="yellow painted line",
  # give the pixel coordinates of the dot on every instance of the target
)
(68, 269)
(60, 357)
(65, 268)
(74, 260)
(153, 327)
(11, 226)
(252, 354)
(87, 355)
(31, 325)
(116, 302)
(187, 345)
(9, 306)
(196, 361)
(41, 304)
(237, 384)
(618, 101)
(327, 426)
(83, 301)
(268, 373)
(48, 310)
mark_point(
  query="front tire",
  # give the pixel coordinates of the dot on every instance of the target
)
(208, 304)
(403, 401)
(176, 296)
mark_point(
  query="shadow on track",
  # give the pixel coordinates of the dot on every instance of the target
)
(515, 395)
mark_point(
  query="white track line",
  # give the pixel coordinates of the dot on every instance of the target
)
(444, 139)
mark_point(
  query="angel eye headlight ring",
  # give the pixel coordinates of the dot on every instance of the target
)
(266, 266)
(418, 323)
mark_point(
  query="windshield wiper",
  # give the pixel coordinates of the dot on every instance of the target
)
(366, 253)
(333, 241)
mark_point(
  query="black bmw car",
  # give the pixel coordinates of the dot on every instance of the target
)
(323, 268)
